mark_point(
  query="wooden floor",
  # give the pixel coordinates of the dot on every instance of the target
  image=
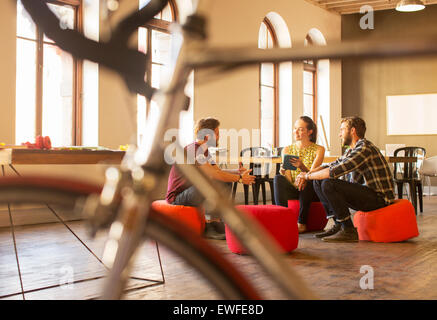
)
(50, 255)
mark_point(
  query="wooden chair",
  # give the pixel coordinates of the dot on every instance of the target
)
(261, 173)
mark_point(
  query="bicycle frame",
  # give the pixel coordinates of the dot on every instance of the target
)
(150, 157)
(144, 168)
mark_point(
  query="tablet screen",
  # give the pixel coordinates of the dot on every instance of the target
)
(287, 165)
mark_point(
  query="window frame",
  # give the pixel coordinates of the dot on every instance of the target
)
(77, 74)
(271, 31)
(161, 26)
(312, 67)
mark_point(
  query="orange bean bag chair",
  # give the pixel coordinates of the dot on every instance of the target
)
(394, 223)
(279, 221)
(189, 216)
(316, 216)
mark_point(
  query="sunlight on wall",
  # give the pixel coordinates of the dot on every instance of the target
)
(90, 91)
(285, 81)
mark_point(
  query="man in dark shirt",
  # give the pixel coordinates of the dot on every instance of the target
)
(361, 161)
(181, 192)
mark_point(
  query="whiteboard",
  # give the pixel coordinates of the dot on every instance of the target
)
(412, 114)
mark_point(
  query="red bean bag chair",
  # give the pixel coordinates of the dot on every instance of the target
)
(394, 223)
(279, 221)
(189, 216)
(316, 217)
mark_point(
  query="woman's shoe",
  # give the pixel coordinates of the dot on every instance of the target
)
(302, 228)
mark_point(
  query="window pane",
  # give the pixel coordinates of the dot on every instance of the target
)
(157, 75)
(142, 40)
(141, 117)
(65, 14)
(25, 91)
(57, 117)
(267, 74)
(166, 14)
(269, 40)
(25, 26)
(308, 103)
(186, 118)
(262, 38)
(160, 47)
(267, 116)
(267, 102)
(308, 83)
(151, 123)
(267, 134)
(143, 3)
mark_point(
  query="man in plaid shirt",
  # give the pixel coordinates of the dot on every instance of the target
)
(340, 184)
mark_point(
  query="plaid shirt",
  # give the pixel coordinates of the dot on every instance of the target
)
(365, 161)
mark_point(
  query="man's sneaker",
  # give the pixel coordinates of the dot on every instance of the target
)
(334, 229)
(344, 235)
(211, 233)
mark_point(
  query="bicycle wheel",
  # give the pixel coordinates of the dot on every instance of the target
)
(204, 258)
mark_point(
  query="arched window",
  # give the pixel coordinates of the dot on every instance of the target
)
(268, 88)
(154, 38)
(316, 83)
(310, 85)
(48, 81)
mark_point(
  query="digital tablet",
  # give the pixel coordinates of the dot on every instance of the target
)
(287, 165)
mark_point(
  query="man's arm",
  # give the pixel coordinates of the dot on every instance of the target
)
(303, 177)
(318, 175)
(214, 172)
(338, 168)
(351, 162)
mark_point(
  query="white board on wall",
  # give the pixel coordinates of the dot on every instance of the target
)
(412, 114)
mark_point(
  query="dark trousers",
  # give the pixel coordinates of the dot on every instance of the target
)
(337, 196)
(192, 198)
(285, 191)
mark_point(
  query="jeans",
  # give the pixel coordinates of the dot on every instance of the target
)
(337, 196)
(192, 198)
(285, 191)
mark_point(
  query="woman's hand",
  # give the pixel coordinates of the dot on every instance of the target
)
(300, 182)
(298, 164)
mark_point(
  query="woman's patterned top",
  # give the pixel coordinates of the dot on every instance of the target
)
(307, 155)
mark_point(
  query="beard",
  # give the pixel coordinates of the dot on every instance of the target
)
(347, 140)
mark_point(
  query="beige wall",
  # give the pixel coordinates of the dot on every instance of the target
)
(366, 84)
(7, 70)
(234, 98)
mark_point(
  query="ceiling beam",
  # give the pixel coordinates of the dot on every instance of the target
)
(354, 6)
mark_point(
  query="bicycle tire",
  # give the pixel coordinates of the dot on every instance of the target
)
(194, 250)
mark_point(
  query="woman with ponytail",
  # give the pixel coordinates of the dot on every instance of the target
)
(310, 156)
